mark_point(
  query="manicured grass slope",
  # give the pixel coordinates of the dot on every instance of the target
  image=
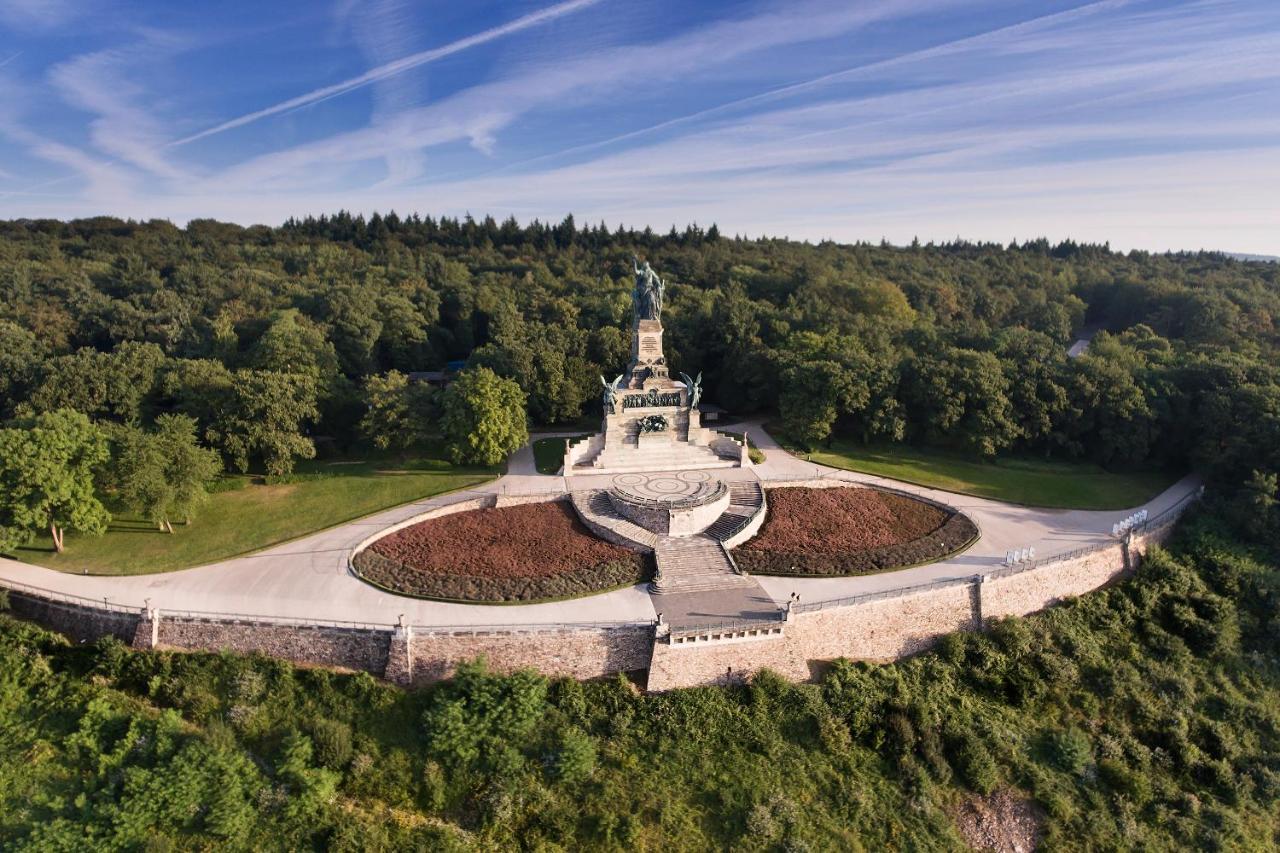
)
(256, 516)
(1142, 717)
(1033, 482)
(548, 453)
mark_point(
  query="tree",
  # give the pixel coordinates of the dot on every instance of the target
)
(100, 384)
(164, 474)
(295, 344)
(484, 418)
(21, 354)
(267, 415)
(46, 478)
(400, 412)
(812, 397)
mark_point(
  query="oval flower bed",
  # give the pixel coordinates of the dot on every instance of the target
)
(530, 552)
(851, 531)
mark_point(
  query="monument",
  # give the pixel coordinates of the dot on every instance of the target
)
(651, 421)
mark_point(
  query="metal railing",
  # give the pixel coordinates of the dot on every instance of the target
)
(55, 597)
(104, 605)
(732, 626)
(884, 594)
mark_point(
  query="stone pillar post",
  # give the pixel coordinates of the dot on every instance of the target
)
(400, 655)
(146, 635)
(978, 621)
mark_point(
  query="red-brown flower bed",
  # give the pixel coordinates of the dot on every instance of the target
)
(518, 553)
(850, 531)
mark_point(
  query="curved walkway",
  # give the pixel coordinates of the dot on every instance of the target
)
(309, 578)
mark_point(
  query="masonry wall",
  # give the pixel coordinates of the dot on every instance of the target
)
(345, 648)
(878, 629)
(576, 653)
(887, 629)
(1030, 591)
(83, 623)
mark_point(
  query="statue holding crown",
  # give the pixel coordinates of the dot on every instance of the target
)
(647, 296)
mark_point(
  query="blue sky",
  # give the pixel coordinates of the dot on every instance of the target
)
(1152, 125)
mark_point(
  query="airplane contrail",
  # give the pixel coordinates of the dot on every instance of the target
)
(398, 66)
(791, 88)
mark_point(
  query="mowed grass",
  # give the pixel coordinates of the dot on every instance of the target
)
(548, 453)
(1021, 480)
(256, 516)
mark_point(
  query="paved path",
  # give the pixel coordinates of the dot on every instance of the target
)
(308, 578)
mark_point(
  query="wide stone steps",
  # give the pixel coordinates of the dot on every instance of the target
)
(597, 512)
(675, 456)
(694, 564)
(745, 500)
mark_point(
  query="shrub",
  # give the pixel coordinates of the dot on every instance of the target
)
(955, 534)
(976, 766)
(396, 576)
(575, 758)
(332, 741)
(1070, 749)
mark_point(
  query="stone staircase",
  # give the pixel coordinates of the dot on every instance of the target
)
(628, 455)
(745, 500)
(598, 514)
(694, 564)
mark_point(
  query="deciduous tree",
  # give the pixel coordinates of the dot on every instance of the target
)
(484, 418)
(47, 478)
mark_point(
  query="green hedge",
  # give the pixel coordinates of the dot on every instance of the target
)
(397, 577)
(956, 534)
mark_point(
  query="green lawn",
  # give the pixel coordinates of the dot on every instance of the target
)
(255, 516)
(548, 453)
(756, 454)
(1022, 480)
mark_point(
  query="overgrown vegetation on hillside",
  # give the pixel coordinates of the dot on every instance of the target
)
(1146, 716)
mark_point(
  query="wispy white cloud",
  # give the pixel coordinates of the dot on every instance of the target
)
(101, 83)
(36, 15)
(398, 66)
(477, 114)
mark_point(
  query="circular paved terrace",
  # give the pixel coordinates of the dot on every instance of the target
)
(310, 579)
(677, 489)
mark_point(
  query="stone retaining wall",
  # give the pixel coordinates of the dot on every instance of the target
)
(880, 628)
(889, 628)
(81, 622)
(576, 653)
(344, 648)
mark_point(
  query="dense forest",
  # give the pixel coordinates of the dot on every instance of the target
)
(269, 343)
(1142, 717)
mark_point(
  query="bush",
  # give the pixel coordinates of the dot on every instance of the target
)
(332, 741)
(976, 767)
(397, 577)
(1070, 750)
(575, 758)
(955, 534)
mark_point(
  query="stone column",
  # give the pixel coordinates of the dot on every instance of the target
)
(400, 656)
(146, 635)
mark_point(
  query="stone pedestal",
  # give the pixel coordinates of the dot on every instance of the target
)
(400, 656)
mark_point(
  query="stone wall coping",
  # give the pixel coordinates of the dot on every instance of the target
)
(212, 617)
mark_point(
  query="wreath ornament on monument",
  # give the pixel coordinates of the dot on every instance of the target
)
(653, 423)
